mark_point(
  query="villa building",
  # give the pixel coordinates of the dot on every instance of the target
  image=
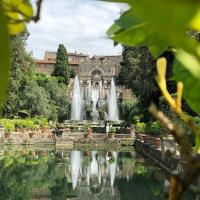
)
(78, 61)
(93, 72)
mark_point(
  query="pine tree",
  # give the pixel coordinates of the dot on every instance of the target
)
(61, 68)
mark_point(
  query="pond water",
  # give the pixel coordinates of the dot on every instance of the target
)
(82, 175)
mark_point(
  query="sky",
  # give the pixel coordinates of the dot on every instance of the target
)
(80, 25)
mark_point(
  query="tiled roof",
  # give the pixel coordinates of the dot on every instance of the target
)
(53, 54)
(53, 62)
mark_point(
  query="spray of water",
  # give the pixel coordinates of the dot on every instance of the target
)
(113, 113)
(76, 101)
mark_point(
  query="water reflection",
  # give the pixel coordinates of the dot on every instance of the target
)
(80, 175)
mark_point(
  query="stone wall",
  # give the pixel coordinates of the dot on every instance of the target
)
(27, 137)
(171, 164)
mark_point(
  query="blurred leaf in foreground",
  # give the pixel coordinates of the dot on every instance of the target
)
(17, 13)
(4, 54)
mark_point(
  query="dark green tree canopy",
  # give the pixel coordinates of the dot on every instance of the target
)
(20, 64)
(62, 66)
(138, 72)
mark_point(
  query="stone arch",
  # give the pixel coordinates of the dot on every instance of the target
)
(98, 70)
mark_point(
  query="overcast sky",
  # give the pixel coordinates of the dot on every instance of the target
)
(79, 24)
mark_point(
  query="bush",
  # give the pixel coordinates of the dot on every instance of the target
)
(134, 112)
(31, 123)
(9, 125)
(153, 128)
(43, 122)
(86, 127)
(113, 130)
(140, 127)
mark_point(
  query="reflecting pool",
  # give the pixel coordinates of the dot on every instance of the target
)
(79, 174)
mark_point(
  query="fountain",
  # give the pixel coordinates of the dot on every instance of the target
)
(76, 101)
(89, 89)
(100, 89)
(90, 100)
(95, 98)
(113, 113)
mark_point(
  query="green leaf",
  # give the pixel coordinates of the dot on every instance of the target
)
(187, 69)
(195, 22)
(126, 21)
(18, 12)
(164, 24)
(4, 55)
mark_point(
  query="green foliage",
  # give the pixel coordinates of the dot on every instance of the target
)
(72, 73)
(190, 76)
(113, 130)
(35, 99)
(141, 170)
(153, 128)
(133, 111)
(57, 97)
(17, 13)
(42, 122)
(19, 173)
(140, 127)
(144, 23)
(20, 65)
(13, 16)
(36, 95)
(61, 68)
(9, 125)
(197, 120)
(4, 55)
(138, 72)
(60, 190)
(86, 127)
(31, 123)
(139, 26)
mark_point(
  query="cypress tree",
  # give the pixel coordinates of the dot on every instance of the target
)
(61, 68)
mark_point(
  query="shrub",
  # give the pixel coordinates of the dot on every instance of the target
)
(140, 127)
(9, 125)
(31, 123)
(113, 130)
(153, 128)
(43, 122)
(136, 119)
(86, 127)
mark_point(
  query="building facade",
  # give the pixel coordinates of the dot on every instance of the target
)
(78, 63)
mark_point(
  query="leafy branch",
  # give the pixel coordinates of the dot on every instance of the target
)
(174, 103)
(180, 183)
(14, 14)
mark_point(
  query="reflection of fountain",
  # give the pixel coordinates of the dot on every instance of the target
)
(113, 113)
(75, 161)
(99, 171)
(76, 101)
(113, 167)
(94, 164)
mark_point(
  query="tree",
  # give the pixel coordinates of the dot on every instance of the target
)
(21, 63)
(61, 67)
(35, 99)
(138, 72)
(162, 30)
(58, 98)
(13, 18)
